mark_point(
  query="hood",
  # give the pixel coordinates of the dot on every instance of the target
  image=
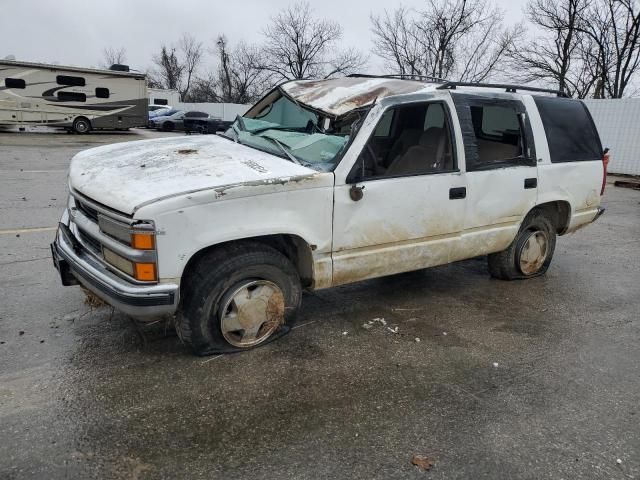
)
(126, 176)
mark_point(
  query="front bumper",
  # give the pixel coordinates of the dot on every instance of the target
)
(77, 266)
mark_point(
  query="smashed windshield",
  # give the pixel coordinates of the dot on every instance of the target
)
(285, 128)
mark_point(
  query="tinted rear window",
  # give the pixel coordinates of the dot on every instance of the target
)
(571, 133)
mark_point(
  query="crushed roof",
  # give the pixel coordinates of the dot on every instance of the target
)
(340, 95)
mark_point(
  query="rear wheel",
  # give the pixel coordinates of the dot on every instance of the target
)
(81, 125)
(238, 297)
(168, 126)
(530, 253)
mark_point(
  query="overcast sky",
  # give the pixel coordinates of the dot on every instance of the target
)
(75, 32)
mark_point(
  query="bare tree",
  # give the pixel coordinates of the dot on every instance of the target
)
(176, 66)
(169, 70)
(586, 48)
(395, 40)
(560, 54)
(613, 27)
(191, 52)
(458, 39)
(112, 56)
(300, 46)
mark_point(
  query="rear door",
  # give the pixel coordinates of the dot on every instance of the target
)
(501, 173)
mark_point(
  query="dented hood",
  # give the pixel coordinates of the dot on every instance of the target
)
(127, 176)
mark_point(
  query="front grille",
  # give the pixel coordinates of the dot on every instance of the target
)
(87, 210)
(90, 242)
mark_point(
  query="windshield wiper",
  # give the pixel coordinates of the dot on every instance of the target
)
(285, 150)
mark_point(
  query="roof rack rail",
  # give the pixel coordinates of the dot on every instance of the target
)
(508, 88)
(404, 76)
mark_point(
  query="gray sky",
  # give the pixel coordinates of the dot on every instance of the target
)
(74, 32)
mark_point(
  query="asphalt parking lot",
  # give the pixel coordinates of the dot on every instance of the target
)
(532, 379)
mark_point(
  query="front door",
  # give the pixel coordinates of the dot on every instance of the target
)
(501, 173)
(402, 206)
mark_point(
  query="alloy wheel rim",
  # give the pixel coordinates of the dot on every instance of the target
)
(251, 313)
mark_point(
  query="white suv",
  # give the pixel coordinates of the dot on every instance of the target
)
(323, 183)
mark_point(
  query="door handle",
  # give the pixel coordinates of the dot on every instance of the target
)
(530, 182)
(457, 193)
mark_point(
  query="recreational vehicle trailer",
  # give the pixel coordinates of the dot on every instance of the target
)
(163, 97)
(79, 99)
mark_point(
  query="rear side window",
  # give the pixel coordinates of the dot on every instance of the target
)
(571, 133)
(496, 132)
(14, 83)
(71, 81)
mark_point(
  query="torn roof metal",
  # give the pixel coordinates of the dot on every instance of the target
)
(340, 95)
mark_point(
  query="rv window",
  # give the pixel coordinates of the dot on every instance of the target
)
(14, 83)
(72, 81)
(102, 92)
(72, 97)
(160, 101)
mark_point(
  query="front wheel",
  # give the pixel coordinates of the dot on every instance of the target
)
(530, 253)
(238, 297)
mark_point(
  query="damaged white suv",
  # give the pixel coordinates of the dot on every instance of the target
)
(323, 183)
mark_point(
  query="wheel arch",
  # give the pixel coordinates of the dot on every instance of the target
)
(558, 212)
(294, 247)
(82, 117)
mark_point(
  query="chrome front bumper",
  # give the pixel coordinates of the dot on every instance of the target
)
(77, 266)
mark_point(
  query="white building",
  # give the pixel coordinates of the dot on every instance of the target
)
(618, 123)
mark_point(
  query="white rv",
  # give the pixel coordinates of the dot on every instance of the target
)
(80, 99)
(163, 97)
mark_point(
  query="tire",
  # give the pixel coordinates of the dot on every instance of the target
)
(530, 253)
(236, 298)
(168, 126)
(81, 125)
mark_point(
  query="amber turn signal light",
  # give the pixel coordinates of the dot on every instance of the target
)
(142, 241)
(145, 272)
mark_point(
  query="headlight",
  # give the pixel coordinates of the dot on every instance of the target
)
(140, 236)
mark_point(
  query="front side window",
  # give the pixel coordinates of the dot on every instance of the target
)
(412, 139)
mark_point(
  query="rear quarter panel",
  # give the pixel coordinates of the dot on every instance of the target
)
(577, 183)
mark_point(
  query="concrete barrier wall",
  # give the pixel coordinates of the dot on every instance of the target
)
(618, 123)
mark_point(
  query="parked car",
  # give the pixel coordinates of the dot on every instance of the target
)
(167, 121)
(155, 108)
(205, 124)
(321, 184)
(175, 121)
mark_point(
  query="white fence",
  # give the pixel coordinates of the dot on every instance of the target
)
(618, 123)
(226, 111)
